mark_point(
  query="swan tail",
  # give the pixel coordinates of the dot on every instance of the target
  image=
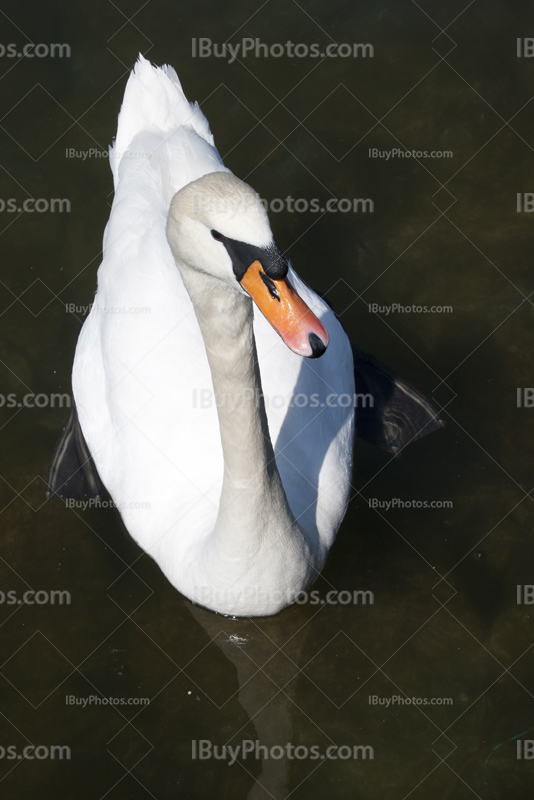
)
(154, 101)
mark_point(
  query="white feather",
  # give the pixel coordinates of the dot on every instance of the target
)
(140, 378)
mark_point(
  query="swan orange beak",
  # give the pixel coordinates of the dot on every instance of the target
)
(289, 315)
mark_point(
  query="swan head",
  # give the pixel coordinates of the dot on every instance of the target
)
(217, 225)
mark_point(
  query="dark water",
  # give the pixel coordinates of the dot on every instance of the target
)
(445, 622)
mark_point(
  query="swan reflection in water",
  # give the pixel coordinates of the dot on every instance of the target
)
(267, 655)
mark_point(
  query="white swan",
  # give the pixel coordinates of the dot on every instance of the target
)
(238, 499)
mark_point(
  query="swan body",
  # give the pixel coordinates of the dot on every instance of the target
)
(238, 501)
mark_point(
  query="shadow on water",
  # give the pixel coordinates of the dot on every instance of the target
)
(267, 657)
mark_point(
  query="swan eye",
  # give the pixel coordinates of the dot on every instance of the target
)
(218, 236)
(273, 291)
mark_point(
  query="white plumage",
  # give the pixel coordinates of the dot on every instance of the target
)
(144, 389)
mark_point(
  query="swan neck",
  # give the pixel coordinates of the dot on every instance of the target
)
(253, 504)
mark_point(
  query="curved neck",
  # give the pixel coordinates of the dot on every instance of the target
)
(253, 507)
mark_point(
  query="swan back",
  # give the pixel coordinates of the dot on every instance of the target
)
(154, 102)
(140, 379)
